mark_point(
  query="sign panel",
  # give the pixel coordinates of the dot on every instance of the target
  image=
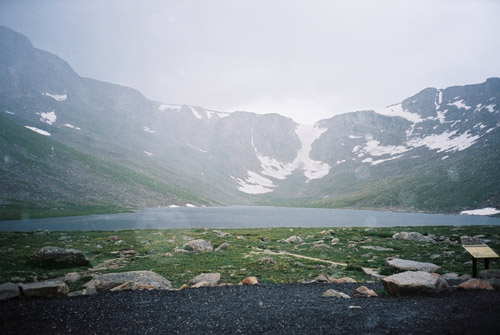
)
(480, 251)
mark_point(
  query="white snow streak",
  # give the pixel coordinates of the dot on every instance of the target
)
(36, 130)
(165, 106)
(255, 184)
(307, 135)
(190, 205)
(490, 108)
(10, 113)
(483, 211)
(459, 104)
(57, 97)
(372, 162)
(397, 110)
(352, 137)
(149, 130)
(195, 113)
(69, 125)
(48, 118)
(148, 153)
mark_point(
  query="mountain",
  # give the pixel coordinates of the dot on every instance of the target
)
(436, 151)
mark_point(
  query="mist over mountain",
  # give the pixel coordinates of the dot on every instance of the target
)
(73, 142)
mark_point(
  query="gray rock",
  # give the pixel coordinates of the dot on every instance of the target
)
(186, 238)
(45, 289)
(413, 236)
(9, 291)
(335, 294)
(111, 280)
(212, 279)
(75, 294)
(294, 240)
(434, 256)
(64, 238)
(411, 282)
(448, 276)
(71, 277)
(61, 255)
(489, 274)
(219, 233)
(222, 246)
(376, 248)
(199, 246)
(322, 278)
(180, 251)
(412, 265)
(268, 260)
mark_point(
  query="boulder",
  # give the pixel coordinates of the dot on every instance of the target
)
(476, 284)
(132, 286)
(376, 248)
(199, 246)
(342, 280)
(412, 265)
(322, 278)
(414, 282)
(413, 236)
(45, 289)
(180, 251)
(201, 284)
(212, 279)
(250, 281)
(110, 280)
(9, 291)
(364, 292)
(335, 294)
(61, 255)
(223, 246)
(219, 233)
(489, 274)
(294, 239)
(71, 277)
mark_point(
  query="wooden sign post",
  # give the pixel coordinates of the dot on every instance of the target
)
(480, 251)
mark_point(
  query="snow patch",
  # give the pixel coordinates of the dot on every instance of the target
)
(36, 130)
(57, 97)
(459, 104)
(10, 113)
(483, 211)
(165, 106)
(352, 137)
(307, 135)
(372, 162)
(195, 113)
(69, 125)
(149, 130)
(190, 205)
(148, 153)
(445, 142)
(397, 110)
(340, 162)
(444, 158)
(255, 184)
(48, 118)
(490, 108)
(173, 206)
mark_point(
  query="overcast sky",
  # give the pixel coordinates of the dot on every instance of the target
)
(304, 59)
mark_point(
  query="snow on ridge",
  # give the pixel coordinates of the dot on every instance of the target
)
(459, 104)
(483, 211)
(57, 97)
(254, 183)
(397, 110)
(163, 107)
(149, 130)
(195, 113)
(48, 118)
(69, 125)
(39, 131)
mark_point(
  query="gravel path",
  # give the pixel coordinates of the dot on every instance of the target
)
(260, 309)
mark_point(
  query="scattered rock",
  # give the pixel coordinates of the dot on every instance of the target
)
(268, 260)
(61, 255)
(183, 287)
(294, 240)
(448, 276)
(434, 256)
(41, 232)
(413, 236)
(128, 252)
(489, 274)
(201, 284)
(412, 265)
(467, 240)
(414, 282)
(132, 286)
(297, 263)
(114, 238)
(110, 280)
(334, 241)
(119, 242)
(322, 278)
(335, 294)
(186, 238)
(223, 246)
(9, 291)
(71, 277)
(45, 289)
(342, 280)
(75, 294)
(212, 279)
(376, 248)
(219, 233)
(180, 251)
(64, 238)
(465, 277)
(250, 281)
(476, 284)
(111, 264)
(364, 292)
(199, 246)
(320, 246)
(168, 254)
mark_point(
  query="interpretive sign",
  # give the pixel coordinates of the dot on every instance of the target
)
(480, 251)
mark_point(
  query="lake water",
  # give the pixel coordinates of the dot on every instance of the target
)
(243, 217)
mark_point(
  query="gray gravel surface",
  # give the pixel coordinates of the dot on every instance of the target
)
(259, 309)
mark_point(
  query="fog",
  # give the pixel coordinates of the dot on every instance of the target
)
(308, 60)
